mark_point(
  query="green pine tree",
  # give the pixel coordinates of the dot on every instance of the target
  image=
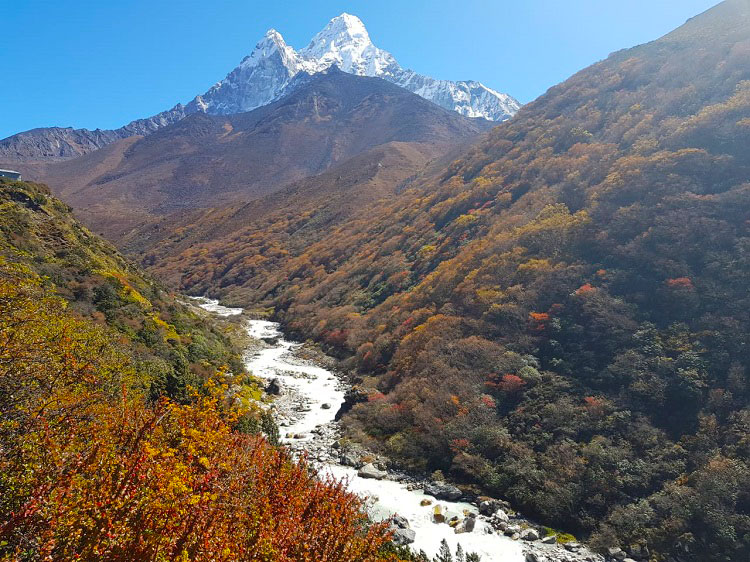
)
(444, 554)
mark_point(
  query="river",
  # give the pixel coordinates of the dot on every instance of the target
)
(305, 409)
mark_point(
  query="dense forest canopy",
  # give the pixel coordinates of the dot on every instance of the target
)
(560, 317)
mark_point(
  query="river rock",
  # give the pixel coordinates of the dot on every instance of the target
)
(466, 525)
(400, 521)
(370, 471)
(530, 535)
(489, 506)
(402, 537)
(616, 553)
(550, 539)
(325, 406)
(350, 458)
(274, 387)
(512, 530)
(500, 517)
(534, 557)
(424, 502)
(442, 491)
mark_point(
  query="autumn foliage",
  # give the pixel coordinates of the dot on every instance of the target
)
(597, 247)
(90, 471)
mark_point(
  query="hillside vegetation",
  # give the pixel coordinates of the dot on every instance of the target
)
(128, 430)
(560, 317)
(173, 345)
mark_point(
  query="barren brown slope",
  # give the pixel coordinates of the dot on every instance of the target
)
(205, 161)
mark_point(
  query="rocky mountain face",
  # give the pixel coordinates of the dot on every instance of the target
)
(266, 75)
(53, 144)
(207, 160)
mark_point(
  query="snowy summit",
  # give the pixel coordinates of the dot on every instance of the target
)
(264, 75)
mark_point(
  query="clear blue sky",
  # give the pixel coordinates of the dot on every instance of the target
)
(103, 63)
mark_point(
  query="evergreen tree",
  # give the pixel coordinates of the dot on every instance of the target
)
(444, 554)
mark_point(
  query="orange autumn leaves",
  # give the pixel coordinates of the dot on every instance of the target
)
(90, 471)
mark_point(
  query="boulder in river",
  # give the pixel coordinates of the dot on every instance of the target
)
(326, 406)
(442, 491)
(511, 530)
(466, 525)
(530, 535)
(350, 458)
(370, 471)
(500, 517)
(402, 533)
(402, 537)
(399, 521)
(274, 387)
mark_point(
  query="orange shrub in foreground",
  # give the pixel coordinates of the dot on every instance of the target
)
(176, 483)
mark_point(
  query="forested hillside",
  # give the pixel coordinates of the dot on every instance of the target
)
(128, 429)
(560, 317)
(173, 345)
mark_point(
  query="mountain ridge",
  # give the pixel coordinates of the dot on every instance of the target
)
(263, 77)
(207, 160)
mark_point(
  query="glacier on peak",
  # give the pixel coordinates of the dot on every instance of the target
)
(264, 75)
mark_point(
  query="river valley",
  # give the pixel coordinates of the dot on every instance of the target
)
(307, 399)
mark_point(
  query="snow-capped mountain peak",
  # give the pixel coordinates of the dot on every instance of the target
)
(346, 43)
(268, 71)
(343, 27)
(271, 44)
